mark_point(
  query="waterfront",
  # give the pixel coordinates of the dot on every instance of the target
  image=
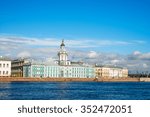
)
(19, 79)
(75, 91)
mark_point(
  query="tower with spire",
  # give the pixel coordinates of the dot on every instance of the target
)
(63, 55)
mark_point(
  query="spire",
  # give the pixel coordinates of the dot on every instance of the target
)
(62, 43)
(62, 54)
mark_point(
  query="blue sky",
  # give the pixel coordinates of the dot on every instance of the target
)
(94, 19)
(111, 26)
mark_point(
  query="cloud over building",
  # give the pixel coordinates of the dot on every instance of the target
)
(87, 50)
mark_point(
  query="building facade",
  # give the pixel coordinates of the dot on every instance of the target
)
(48, 71)
(125, 73)
(63, 55)
(17, 67)
(5, 67)
(110, 72)
(62, 69)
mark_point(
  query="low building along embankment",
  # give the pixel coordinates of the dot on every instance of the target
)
(110, 72)
(48, 71)
(5, 67)
(17, 67)
(61, 68)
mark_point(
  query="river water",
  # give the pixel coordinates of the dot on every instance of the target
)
(75, 91)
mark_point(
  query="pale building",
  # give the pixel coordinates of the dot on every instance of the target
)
(17, 67)
(63, 55)
(56, 71)
(125, 73)
(62, 69)
(5, 67)
(110, 72)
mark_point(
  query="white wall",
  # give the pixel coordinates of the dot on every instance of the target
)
(5, 68)
(115, 72)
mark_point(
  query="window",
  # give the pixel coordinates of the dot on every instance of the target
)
(3, 65)
(7, 72)
(0, 65)
(3, 72)
(0, 72)
(7, 65)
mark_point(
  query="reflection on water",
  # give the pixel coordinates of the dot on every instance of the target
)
(74, 91)
(62, 93)
(5, 85)
(4, 90)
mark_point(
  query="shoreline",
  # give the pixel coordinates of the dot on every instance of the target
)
(19, 79)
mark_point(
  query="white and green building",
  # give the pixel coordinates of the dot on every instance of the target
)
(60, 69)
(49, 71)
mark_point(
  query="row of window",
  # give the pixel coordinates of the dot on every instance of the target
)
(38, 68)
(56, 68)
(55, 72)
(4, 65)
(38, 72)
(4, 72)
(74, 69)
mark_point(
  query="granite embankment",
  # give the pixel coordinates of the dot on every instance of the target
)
(145, 79)
(19, 79)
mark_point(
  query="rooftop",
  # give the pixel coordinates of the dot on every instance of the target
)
(4, 58)
(62, 44)
(109, 66)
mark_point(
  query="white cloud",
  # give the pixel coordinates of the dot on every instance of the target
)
(77, 43)
(145, 65)
(145, 56)
(113, 42)
(115, 61)
(48, 47)
(92, 54)
(24, 54)
(136, 53)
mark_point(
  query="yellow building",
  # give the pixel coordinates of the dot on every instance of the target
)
(17, 67)
(125, 72)
(110, 72)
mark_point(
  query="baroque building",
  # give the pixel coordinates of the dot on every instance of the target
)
(63, 55)
(65, 68)
(62, 69)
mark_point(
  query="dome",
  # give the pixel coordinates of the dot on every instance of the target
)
(62, 44)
